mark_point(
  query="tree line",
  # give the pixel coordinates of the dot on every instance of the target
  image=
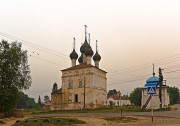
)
(174, 96)
(14, 74)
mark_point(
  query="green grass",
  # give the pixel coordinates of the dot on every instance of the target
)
(48, 122)
(157, 110)
(127, 108)
(122, 119)
(97, 110)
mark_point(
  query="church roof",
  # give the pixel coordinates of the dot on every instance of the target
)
(73, 54)
(80, 59)
(84, 46)
(83, 65)
(97, 57)
(152, 81)
(89, 51)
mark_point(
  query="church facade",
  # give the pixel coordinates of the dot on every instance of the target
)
(84, 85)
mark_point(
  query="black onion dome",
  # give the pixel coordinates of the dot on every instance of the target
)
(84, 46)
(89, 51)
(80, 59)
(97, 57)
(73, 55)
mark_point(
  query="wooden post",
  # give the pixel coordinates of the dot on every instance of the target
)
(152, 114)
(84, 92)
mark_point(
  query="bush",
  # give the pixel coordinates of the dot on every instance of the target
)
(46, 120)
(59, 120)
(35, 120)
(18, 121)
(26, 120)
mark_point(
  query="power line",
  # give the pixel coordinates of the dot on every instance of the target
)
(146, 64)
(47, 61)
(30, 43)
(35, 46)
(126, 81)
(135, 69)
(172, 71)
(172, 66)
(131, 69)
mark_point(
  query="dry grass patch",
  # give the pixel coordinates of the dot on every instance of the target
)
(48, 122)
(122, 119)
(1, 121)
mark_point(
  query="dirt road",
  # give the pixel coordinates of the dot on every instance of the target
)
(168, 118)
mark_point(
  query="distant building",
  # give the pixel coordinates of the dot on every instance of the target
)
(83, 85)
(46, 105)
(56, 99)
(155, 101)
(117, 100)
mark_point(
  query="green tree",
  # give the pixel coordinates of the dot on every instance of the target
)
(112, 92)
(39, 101)
(55, 87)
(173, 94)
(135, 96)
(111, 103)
(46, 98)
(31, 103)
(24, 101)
(14, 74)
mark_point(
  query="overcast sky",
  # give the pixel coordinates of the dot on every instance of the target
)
(131, 34)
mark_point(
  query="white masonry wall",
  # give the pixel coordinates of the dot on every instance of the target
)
(155, 102)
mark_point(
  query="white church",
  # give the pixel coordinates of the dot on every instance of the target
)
(84, 85)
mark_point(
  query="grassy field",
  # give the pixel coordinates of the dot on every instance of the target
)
(98, 110)
(48, 122)
(122, 119)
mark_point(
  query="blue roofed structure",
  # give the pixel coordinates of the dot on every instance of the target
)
(152, 81)
(147, 96)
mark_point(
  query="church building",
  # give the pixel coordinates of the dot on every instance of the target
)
(148, 101)
(84, 85)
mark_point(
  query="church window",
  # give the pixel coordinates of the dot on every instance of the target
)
(80, 84)
(70, 85)
(76, 98)
(70, 98)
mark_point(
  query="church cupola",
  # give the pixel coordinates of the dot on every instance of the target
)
(88, 52)
(80, 60)
(86, 49)
(73, 55)
(85, 44)
(96, 57)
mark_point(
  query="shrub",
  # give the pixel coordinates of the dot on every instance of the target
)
(46, 120)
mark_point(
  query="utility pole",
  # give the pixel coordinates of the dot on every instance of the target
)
(120, 102)
(160, 86)
(152, 113)
(84, 91)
